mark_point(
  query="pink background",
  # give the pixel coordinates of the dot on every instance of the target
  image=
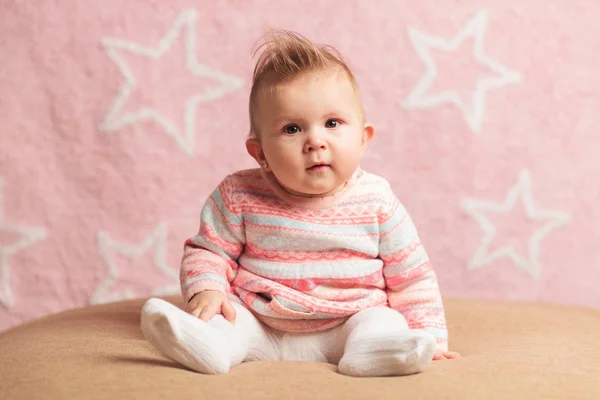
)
(98, 194)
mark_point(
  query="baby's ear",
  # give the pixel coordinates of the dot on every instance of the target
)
(255, 150)
(368, 133)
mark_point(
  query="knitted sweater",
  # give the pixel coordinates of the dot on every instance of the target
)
(304, 264)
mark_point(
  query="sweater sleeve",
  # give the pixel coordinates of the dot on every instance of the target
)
(210, 257)
(411, 283)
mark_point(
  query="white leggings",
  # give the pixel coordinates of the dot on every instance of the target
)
(266, 344)
(373, 342)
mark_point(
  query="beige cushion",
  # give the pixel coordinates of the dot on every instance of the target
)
(511, 351)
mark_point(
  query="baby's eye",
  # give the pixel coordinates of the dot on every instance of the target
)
(332, 123)
(291, 129)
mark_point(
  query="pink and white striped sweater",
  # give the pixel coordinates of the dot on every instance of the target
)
(307, 264)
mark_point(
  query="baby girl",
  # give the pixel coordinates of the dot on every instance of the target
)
(309, 257)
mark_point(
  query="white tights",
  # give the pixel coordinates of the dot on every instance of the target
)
(373, 342)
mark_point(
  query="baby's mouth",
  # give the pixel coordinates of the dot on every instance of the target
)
(318, 167)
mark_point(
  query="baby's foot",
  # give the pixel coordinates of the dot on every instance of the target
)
(184, 338)
(404, 353)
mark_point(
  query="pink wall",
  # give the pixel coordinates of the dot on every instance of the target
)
(119, 118)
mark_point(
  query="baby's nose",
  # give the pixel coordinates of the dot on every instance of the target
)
(314, 143)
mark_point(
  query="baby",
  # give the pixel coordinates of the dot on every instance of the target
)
(309, 257)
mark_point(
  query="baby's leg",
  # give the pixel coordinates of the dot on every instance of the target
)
(311, 346)
(378, 342)
(208, 347)
(253, 340)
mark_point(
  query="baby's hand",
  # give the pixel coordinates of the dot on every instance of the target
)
(207, 304)
(445, 355)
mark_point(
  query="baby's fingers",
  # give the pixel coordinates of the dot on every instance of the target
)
(196, 311)
(189, 307)
(228, 311)
(208, 312)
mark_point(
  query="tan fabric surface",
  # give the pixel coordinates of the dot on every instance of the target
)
(511, 351)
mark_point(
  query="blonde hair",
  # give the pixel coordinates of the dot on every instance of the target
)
(285, 55)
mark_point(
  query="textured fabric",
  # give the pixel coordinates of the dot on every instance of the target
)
(208, 347)
(373, 342)
(306, 264)
(378, 343)
(510, 351)
(185, 338)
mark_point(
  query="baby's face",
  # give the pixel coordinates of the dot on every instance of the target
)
(312, 132)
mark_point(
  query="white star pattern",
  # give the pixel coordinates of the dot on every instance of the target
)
(422, 43)
(522, 191)
(27, 237)
(186, 141)
(107, 246)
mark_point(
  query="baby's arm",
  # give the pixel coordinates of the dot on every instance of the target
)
(209, 261)
(411, 282)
